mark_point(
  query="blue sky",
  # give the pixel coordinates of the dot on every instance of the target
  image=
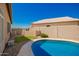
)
(23, 14)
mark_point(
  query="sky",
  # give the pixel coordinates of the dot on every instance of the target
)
(23, 14)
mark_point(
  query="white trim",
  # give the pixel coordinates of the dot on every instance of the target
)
(39, 1)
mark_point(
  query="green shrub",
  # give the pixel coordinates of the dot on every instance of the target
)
(43, 35)
(19, 39)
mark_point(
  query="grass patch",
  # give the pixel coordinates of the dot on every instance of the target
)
(31, 37)
(19, 39)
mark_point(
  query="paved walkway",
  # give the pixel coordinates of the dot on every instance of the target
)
(26, 50)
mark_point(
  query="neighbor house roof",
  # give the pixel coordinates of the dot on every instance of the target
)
(60, 19)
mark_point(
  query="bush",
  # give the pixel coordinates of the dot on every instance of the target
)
(19, 39)
(43, 35)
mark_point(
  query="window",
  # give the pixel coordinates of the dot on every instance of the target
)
(47, 25)
(8, 27)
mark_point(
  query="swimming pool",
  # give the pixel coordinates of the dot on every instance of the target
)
(55, 48)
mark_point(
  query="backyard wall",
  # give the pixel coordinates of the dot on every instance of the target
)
(66, 30)
(28, 32)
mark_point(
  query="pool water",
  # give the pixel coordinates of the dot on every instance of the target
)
(55, 48)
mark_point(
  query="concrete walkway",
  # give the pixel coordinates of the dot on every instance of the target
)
(26, 50)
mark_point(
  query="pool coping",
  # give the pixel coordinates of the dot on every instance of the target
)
(61, 39)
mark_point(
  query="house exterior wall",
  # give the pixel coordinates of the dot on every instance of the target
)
(66, 30)
(4, 26)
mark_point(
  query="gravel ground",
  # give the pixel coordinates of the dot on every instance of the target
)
(13, 51)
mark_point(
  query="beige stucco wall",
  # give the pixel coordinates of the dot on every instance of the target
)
(5, 21)
(29, 32)
(66, 30)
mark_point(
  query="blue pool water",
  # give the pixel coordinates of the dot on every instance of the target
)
(55, 48)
